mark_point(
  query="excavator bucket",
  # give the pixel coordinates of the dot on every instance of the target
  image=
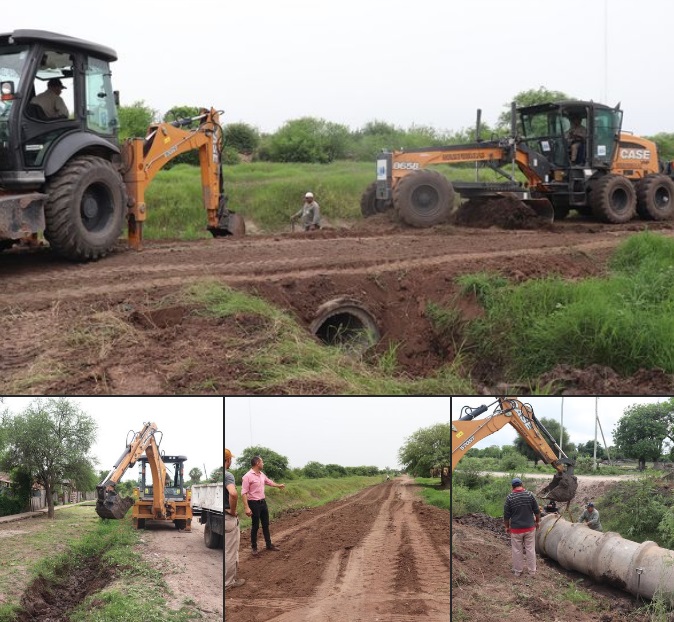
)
(113, 506)
(562, 487)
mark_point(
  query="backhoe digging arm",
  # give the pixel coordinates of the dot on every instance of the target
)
(108, 503)
(145, 157)
(466, 431)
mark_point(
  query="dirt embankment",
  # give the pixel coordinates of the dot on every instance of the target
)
(378, 555)
(121, 325)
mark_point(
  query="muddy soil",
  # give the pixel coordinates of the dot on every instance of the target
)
(191, 570)
(484, 589)
(120, 325)
(378, 555)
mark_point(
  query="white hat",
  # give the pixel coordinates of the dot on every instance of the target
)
(309, 195)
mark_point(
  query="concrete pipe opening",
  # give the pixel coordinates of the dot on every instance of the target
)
(347, 324)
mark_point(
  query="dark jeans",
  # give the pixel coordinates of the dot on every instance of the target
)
(260, 514)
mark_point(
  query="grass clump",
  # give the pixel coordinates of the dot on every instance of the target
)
(624, 321)
(433, 495)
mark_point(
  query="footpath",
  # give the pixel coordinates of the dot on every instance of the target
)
(15, 517)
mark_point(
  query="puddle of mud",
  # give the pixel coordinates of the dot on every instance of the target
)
(52, 600)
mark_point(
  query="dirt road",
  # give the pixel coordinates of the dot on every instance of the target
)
(378, 555)
(191, 570)
(121, 325)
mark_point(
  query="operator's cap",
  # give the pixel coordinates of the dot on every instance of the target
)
(309, 195)
(228, 454)
(517, 481)
(590, 504)
(55, 82)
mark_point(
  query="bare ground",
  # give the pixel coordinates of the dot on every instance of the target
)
(381, 554)
(120, 325)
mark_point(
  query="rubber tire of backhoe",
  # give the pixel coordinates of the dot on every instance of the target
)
(97, 181)
(370, 204)
(180, 523)
(424, 198)
(212, 540)
(614, 199)
(655, 198)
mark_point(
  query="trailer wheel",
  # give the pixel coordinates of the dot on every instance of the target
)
(423, 198)
(85, 211)
(180, 523)
(613, 199)
(370, 204)
(211, 539)
(655, 197)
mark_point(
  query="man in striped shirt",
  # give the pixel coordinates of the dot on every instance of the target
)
(255, 504)
(522, 515)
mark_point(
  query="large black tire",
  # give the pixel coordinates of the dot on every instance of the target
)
(655, 197)
(614, 199)
(423, 198)
(211, 539)
(85, 211)
(370, 204)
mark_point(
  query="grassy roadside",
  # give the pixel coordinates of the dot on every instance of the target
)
(60, 549)
(309, 493)
(432, 494)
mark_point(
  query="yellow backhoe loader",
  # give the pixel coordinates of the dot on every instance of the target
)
(467, 431)
(166, 499)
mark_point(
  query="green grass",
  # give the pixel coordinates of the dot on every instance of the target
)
(574, 595)
(432, 494)
(309, 493)
(137, 595)
(289, 360)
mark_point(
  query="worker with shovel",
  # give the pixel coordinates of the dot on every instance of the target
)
(309, 214)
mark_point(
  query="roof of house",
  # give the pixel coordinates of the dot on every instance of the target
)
(4, 477)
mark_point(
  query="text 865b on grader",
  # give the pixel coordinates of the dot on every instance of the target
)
(69, 177)
(613, 177)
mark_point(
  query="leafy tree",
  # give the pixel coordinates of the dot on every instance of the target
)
(335, 470)
(308, 140)
(242, 137)
(135, 119)
(426, 449)
(275, 465)
(531, 97)
(314, 470)
(665, 144)
(182, 113)
(552, 426)
(641, 431)
(217, 476)
(588, 450)
(51, 439)
(195, 475)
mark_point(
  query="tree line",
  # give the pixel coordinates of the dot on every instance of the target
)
(316, 140)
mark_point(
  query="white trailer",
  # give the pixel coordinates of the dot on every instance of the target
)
(208, 505)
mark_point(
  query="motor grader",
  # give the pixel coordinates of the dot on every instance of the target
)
(614, 176)
(69, 177)
(165, 499)
(467, 431)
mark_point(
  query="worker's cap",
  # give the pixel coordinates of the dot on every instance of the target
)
(55, 82)
(590, 504)
(309, 195)
(228, 454)
(517, 481)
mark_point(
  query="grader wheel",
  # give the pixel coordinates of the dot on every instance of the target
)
(423, 198)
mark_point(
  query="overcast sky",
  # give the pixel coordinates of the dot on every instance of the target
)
(351, 431)
(579, 415)
(192, 427)
(265, 62)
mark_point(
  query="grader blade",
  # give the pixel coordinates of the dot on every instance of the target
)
(562, 487)
(543, 209)
(113, 506)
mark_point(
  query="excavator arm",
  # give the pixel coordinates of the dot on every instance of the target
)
(467, 431)
(108, 503)
(145, 157)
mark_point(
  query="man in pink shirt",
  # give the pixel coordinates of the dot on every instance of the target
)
(252, 492)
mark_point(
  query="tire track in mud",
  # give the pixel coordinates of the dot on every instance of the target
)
(393, 571)
(169, 269)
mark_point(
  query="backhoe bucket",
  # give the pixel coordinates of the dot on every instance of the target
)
(562, 487)
(543, 209)
(114, 506)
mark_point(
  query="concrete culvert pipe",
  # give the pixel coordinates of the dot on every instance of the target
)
(345, 323)
(642, 569)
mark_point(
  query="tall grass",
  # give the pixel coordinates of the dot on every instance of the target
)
(624, 321)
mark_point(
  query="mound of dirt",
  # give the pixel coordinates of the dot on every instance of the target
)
(504, 211)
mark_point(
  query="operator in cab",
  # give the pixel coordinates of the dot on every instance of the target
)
(51, 101)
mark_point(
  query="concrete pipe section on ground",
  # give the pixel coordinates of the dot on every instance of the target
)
(346, 323)
(642, 569)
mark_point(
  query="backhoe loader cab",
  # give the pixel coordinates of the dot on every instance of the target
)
(174, 485)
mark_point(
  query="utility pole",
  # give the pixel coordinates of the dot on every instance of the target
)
(596, 420)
